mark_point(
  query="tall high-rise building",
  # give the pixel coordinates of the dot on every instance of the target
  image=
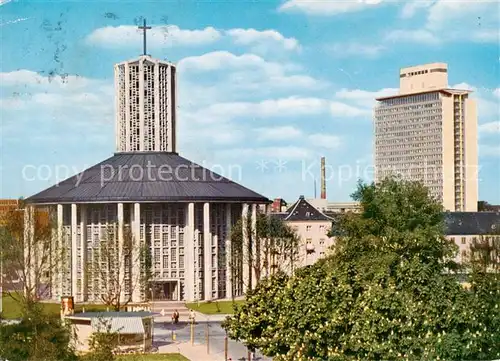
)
(428, 132)
(145, 105)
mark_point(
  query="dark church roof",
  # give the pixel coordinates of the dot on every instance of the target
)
(146, 177)
(302, 210)
(472, 223)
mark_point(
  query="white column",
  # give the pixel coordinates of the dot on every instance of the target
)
(156, 94)
(127, 108)
(141, 105)
(74, 248)
(121, 256)
(61, 250)
(173, 117)
(229, 279)
(170, 130)
(207, 252)
(268, 208)
(189, 273)
(254, 245)
(83, 254)
(136, 261)
(246, 256)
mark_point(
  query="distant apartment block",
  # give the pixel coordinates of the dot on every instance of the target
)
(334, 207)
(428, 132)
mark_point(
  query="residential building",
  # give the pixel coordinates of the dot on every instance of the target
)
(464, 228)
(312, 227)
(428, 132)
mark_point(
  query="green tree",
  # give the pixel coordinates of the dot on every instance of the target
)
(483, 268)
(29, 254)
(384, 293)
(113, 264)
(272, 247)
(38, 337)
(103, 343)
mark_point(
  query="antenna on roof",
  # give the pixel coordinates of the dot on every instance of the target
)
(323, 178)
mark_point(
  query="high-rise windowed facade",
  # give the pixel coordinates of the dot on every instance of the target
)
(428, 133)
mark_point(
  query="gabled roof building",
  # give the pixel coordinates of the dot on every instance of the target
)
(312, 227)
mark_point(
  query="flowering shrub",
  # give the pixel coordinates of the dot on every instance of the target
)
(385, 293)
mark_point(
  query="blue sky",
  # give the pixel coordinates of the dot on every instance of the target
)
(265, 87)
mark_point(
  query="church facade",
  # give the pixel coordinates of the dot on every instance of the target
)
(167, 218)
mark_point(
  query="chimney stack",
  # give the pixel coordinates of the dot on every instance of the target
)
(323, 180)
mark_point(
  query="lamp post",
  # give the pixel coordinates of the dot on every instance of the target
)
(152, 316)
(152, 299)
(1, 283)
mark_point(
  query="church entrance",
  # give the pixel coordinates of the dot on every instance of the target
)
(165, 290)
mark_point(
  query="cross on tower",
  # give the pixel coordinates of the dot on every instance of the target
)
(144, 28)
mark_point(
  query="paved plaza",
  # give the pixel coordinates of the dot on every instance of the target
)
(198, 352)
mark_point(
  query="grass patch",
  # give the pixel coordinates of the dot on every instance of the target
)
(214, 308)
(12, 308)
(153, 357)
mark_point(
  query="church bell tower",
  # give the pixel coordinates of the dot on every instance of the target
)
(146, 97)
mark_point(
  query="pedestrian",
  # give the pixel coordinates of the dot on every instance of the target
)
(175, 317)
(192, 316)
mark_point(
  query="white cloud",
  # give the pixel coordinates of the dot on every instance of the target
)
(357, 102)
(338, 109)
(327, 7)
(363, 97)
(490, 128)
(496, 92)
(325, 141)
(9, 22)
(26, 78)
(240, 77)
(464, 86)
(286, 132)
(159, 36)
(350, 49)
(415, 36)
(451, 20)
(487, 150)
(171, 35)
(56, 103)
(410, 8)
(265, 38)
(283, 107)
(218, 60)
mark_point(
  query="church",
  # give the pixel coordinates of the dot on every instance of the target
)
(151, 198)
